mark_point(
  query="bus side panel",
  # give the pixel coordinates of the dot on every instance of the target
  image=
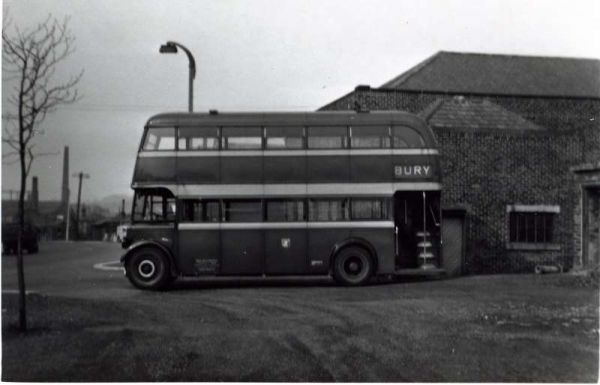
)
(160, 169)
(195, 170)
(198, 252)
(242, 252)
(383, 242)
(371, 168)
(328, 169)
(285, 251)
(241, 169)
(320, 245)
(285, 169)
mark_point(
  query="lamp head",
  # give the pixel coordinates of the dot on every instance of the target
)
(168, 48)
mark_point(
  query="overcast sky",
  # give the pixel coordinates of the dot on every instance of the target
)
(258, 55)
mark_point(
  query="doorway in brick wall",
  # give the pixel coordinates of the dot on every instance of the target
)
(453, 241)
(591, 227)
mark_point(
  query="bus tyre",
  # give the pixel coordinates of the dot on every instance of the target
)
(148, 268)
(352, 266)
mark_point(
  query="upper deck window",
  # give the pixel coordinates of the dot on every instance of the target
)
(198, 138)
(328, 137)
(406, 137)
(241, 138)
(284, 138)
(159, 138)
(371, 137)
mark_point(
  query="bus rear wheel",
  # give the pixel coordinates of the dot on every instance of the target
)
(148, 268)
(352, 266)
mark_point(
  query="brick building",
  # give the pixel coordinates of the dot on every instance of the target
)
(520, 144)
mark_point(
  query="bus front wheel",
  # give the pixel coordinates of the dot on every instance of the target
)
(352, 266)
(148, 268)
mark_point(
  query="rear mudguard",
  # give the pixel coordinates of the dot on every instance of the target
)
(354, 241)
(146, 243)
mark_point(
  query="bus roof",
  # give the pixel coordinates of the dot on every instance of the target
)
(287, 118)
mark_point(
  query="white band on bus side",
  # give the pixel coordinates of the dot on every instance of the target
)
(291, 189)
(275, 153)
(286, 225)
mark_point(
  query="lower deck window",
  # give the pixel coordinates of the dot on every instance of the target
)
(328, 209)
(200, 211)
(243, 210)
(265, 210)
(370, 209)
(285, 210)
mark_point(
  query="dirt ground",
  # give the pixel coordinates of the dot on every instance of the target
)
(483, 328)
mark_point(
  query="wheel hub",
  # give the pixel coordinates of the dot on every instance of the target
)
(146, 268)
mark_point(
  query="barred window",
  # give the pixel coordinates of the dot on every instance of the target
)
(531, 224)
(531, 227)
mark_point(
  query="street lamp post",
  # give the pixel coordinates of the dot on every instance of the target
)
(81, 176)
(171, 47)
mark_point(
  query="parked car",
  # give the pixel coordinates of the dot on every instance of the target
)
(10, 234)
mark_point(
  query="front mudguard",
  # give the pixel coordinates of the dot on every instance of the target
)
(146, 243)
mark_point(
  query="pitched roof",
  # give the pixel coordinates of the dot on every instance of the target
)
(455, 72)
(477, 115)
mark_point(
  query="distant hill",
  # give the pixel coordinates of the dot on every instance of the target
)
(112, 203)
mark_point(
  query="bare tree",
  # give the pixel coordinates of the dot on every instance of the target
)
(30, 59)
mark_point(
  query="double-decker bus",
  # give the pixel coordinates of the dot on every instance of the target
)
(346, 194)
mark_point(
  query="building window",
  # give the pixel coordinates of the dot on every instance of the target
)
(158, 139)
(198, 138)
(328, 137)
(284, 138)
(370, 137)
(531, 226)
(241, 138)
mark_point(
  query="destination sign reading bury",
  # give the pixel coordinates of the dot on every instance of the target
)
(413, 171)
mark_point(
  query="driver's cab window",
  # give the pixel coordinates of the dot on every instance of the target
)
(154, 206)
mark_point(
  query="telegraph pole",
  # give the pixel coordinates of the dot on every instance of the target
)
(81, 176)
